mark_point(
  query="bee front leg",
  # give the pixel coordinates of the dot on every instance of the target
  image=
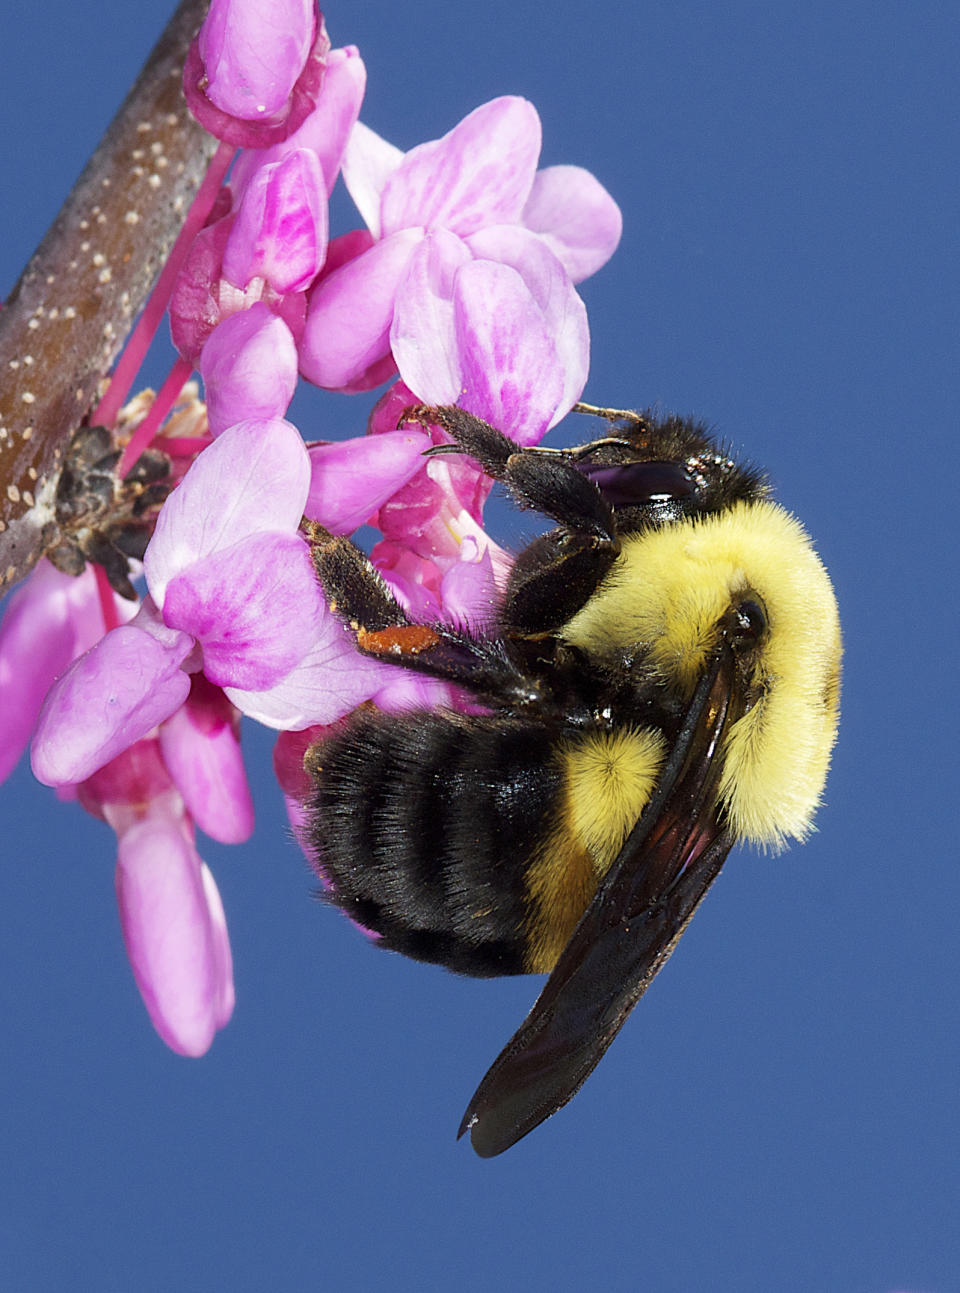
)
(557, 574)
(543, 479)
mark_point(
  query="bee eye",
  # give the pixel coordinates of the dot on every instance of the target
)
(751, 621)
(638, 484)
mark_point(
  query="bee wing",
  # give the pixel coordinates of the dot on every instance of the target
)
(642, 906)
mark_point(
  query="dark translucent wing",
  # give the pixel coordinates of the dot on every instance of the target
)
(599, 979)
(641, 908)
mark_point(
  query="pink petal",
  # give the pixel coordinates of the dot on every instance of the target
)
(108, 699)
(451, 484)
(288, 754)
(253, 608)
(201, 749)
(469, 591)
(576, 217)
(330, 681)
(224, 997)
(281, 231)
(167, 929)
(346, 247)
(414, 579)
(254, 53)
(253, 477)
(125, 789)
(249, 368)
(37, 642)
(422, 337)
(480, 173)
(195, 306)
(407, 690)
(368, 163)
(564, 313)
(350, 312)
(352, 478)
(327, 128)
(511, 374)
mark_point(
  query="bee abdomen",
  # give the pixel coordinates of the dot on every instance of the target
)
(422, 826)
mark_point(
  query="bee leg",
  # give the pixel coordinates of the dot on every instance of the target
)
(360, 597)
(553, 578)
(634, 420)
(557, 574)
(353, 587)
(540, 479)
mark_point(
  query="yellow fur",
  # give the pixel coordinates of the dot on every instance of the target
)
(608, 778)
(665, 596)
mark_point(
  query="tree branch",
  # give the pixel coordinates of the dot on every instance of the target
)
(75, 303)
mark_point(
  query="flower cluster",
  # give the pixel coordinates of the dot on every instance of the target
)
(459, 288)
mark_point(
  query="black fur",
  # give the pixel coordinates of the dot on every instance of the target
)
(421, 824)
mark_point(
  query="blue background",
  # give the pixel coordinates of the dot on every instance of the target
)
(781, 1112)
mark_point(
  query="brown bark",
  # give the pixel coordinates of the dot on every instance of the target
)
(74, 304)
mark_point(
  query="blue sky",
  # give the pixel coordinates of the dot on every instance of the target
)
(781, 1112)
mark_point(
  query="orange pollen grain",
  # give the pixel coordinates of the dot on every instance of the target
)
(403, 639)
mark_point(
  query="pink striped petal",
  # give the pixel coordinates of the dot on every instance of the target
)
(176, 957)
(253, 477)
(281, 230)
(480, 173)
(563, 311)
(253, 607)
(511, 374)
(576, 217)
(423, 335)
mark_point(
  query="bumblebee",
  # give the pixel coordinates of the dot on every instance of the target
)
(660, 682)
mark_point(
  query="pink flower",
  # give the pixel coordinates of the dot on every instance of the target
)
(462, 283)
(254, 72)
(431, 294)
(267, 236)
(171, 915)
(232, 591)
(49, 621)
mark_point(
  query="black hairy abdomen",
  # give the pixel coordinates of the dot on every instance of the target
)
(421, 825)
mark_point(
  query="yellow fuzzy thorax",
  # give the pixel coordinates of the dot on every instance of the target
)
(664, 598)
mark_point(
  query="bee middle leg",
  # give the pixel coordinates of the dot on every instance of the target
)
(353, 587)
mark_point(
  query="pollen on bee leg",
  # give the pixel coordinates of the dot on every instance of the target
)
(400, 640)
